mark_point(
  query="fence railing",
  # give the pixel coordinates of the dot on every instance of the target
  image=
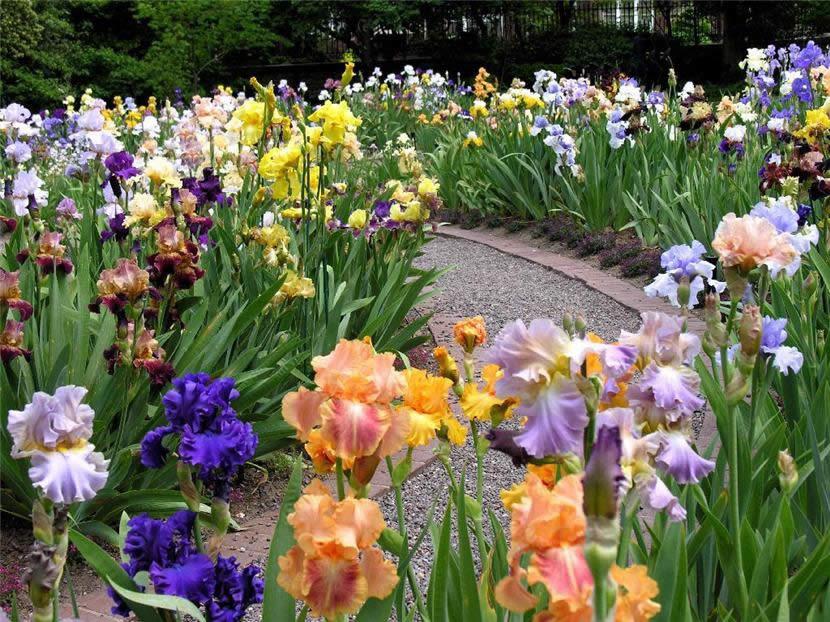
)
(683, 21)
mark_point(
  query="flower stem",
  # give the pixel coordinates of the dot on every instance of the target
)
(341, 488)
(600, 600)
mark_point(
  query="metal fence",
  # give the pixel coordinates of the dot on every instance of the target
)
(683, 21)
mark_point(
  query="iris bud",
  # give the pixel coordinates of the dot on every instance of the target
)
(787, 472)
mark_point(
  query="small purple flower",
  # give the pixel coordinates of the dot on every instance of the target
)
(773, 332)
(810, 56)
(18, 152)
(68, 210)
(802, 89)
(804, 211)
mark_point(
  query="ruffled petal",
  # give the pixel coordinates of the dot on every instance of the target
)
(302, 410)
(380, 573)
(334, 586)
(556, 420)
(678, 459)
(359, 522)
(71, 475)
(353, 428)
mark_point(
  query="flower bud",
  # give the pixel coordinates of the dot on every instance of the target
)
(364, 469)
(714, 337)
(568, 323)
(41, 522)
(41, 574)
(447, 366)
(603, 475)
(738, 387)
(672, 79)
(749, 331)
(504, 441)
(580, 325)
(470, 332)
(735, 283)
(809, 285)
(787, 472)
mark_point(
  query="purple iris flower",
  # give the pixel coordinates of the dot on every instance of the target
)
(810, 56)
(115, 229)
(206, 190)
(382, 209)
(165, 549)
(686, 260)
(678, 459)
(191, 577)
(234, 591)
(802, 89)
(212, 438)
(777, 213)
(803, 212)
(120, 164)
(152, 541)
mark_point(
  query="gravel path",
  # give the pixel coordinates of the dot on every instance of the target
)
(483, 281)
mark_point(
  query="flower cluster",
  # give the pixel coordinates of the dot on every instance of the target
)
(563, 381)
(11, 338)
(549, 525)
(164, 549)
(355, 415)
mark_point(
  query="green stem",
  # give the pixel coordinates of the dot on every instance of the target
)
(600, 600)
(341, 488)
(734, 506)
(625, 539)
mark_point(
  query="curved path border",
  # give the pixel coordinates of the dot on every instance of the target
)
(252, 543)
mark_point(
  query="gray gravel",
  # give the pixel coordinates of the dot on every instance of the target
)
(502, 288)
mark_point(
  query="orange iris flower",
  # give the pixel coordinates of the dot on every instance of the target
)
(335, 567)
(549, 524)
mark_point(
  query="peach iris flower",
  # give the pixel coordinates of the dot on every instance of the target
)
(549, 524)
(350, 415)
(335, 567)
(748, 242)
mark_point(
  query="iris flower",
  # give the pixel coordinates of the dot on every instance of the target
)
(53, 431)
